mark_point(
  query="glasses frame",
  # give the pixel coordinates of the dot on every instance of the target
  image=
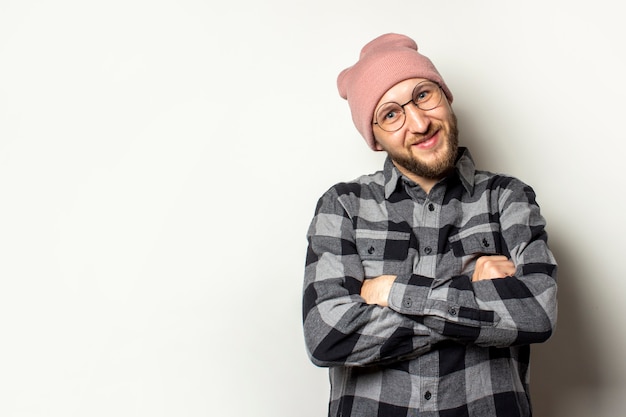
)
(402, 106)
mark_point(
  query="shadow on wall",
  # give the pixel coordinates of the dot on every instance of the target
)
(566, 371)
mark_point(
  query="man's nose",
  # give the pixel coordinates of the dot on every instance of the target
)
(416, 119)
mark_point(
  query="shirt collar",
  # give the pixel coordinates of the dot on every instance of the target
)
(465, 170)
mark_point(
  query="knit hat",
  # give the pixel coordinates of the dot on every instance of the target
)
(384, 62)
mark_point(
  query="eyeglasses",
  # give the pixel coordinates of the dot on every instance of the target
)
(391, 116)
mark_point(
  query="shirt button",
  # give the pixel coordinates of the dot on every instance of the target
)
(431, 207)
(452, 311)
(428, 395)
(371, 250)
(407, 302)
(428, 250)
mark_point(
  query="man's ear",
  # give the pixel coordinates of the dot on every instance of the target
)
(377, 146)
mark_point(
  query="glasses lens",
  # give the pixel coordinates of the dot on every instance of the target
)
(390, 117)
(427, 95)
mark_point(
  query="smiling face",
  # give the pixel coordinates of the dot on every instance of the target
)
(425, 147)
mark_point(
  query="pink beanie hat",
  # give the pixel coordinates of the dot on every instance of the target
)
(384, 62)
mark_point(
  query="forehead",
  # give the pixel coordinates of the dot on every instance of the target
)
(400, 92)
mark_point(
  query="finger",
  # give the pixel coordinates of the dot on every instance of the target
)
(491, 269)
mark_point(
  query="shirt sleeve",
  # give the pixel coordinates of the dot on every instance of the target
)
(339, 327)
(516, 310)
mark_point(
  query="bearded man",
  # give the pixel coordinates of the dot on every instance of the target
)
(425, 282)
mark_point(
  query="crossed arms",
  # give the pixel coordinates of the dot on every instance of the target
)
(353, 321)
(376, 290)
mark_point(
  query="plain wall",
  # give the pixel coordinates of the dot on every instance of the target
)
(160, 162)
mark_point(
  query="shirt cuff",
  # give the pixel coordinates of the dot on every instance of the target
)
(409, 294)
(413, 295)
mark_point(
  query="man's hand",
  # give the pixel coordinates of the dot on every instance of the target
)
(493, 266)
(376, 290)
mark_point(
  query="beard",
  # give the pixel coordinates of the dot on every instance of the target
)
(443, 164)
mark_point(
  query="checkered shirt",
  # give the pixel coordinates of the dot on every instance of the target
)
(445, 346)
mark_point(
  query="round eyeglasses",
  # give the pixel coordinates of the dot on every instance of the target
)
(391, 116)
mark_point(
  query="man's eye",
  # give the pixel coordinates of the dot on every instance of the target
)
(391, 115)
(423, 95)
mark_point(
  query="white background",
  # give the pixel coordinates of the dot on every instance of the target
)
(160, 162)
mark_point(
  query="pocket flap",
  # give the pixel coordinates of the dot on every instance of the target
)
(382, 244)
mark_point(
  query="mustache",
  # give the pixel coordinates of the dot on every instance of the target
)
(432, 129)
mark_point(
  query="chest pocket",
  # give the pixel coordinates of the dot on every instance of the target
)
(481, 239)
(383, 251)
(469, 244)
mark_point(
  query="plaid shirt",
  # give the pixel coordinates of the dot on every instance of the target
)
(445, 346)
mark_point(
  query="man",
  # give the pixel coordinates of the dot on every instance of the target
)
(426, 282)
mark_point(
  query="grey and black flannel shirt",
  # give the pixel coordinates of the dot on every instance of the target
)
(445, 346)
